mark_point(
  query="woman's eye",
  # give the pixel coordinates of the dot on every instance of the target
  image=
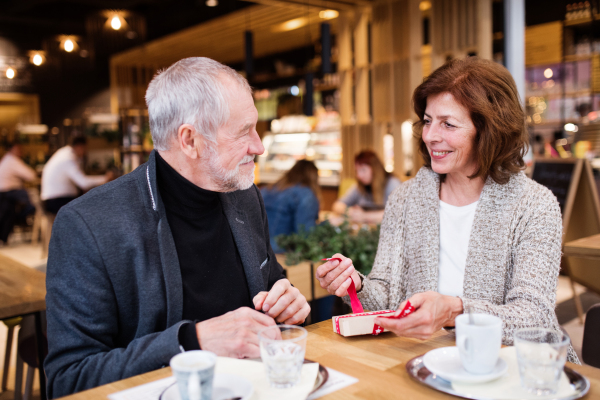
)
(427, 121)
(449, 125)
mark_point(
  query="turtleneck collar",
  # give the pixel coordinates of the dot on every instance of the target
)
(180, 195)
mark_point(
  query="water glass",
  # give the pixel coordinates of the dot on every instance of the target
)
(541, 354)
(282, 349)
(194, 372)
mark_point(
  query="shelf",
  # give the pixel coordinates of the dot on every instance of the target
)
(579, 21)
(578, 57)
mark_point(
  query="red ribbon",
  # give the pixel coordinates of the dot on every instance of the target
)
(406, 311)
(354, 301)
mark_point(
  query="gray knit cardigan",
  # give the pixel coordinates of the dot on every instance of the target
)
(513, 257)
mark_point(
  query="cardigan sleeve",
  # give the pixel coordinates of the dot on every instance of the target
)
(389, 267)
(532, 278)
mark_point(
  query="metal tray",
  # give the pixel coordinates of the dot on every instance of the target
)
(416, 369)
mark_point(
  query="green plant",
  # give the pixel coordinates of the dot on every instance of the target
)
(325, 240)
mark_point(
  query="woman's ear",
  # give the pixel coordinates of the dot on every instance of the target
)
(189, 141)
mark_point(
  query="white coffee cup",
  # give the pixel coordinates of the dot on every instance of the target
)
(479, 343)
(194, 372)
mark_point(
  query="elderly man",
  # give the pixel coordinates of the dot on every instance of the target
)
(175, 255)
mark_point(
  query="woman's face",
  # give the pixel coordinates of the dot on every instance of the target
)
(364, 173)
(449, 135)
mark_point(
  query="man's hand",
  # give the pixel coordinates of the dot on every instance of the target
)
(284, 303)
(234, 333)
(433, 312)
(334, 276)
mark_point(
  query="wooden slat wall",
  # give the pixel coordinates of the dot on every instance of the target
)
(221, 39)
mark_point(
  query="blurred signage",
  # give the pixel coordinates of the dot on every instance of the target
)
(544, 43)
(32, 129)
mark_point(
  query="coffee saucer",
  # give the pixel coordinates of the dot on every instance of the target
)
(225, 386)
(445, 363)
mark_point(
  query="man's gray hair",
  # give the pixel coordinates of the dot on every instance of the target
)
(191, 91)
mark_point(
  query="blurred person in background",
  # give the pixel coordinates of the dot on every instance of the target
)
(292, 203)
(15, 204)
(365, 201)
(63, 177)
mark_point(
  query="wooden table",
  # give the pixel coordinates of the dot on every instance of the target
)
(378, 362)
(588, 247)
(23, 292)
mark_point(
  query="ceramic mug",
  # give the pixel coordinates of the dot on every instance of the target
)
(478, 343)
(194, 371)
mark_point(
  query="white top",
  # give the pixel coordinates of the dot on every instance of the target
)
(13, 171)
(62, 176)
(455, 231)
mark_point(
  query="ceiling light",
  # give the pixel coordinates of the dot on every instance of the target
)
(328, 14)
(291, 24)
(424, 5)
(37, 57)
(548, 73)
(69, 45)
(10, 73)
(115, 23)
(212, 3)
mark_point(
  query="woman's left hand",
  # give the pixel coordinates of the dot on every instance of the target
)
(433, 312)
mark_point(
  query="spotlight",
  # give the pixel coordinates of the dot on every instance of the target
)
(115, 23)
(328, 14)
(69, 45)
(10, 73)
(212, 3)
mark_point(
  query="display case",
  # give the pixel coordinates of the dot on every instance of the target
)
(293, 138)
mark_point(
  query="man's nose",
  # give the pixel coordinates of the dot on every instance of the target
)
(256, 146)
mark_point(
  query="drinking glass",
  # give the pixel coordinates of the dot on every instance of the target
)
(282, 349)
(541, 354)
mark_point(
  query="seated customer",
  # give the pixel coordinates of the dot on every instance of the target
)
(366, 200)
(175, 255)
(470, 231)
(63, 178)
(15, 204)
(292, 203)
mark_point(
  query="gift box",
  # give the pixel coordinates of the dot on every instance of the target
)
(360, 322)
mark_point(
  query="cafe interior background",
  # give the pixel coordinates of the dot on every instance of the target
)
(330, 78)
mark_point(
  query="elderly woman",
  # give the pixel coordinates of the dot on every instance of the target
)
(470, 231)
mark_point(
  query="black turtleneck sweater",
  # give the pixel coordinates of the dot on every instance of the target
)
(212, 273)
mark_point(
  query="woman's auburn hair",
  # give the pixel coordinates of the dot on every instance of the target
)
(303, 173)
(488, 91)
(380, 175)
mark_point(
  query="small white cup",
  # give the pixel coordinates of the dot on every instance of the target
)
(194, 371)
(479, 344)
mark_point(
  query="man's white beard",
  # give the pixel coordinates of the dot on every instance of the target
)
(228, 180)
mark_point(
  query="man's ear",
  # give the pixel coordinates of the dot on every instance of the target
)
(190, 143)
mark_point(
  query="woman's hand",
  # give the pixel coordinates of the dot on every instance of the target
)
(357, 214)
(433, 312)
(334, 276)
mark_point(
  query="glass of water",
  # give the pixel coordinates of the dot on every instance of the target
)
(541, 354)
(282, 349)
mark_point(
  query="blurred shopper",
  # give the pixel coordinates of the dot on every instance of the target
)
(63, 177)
(15, 204)
(292, 203)
(366, 200)
(470, 231)
(175, 255)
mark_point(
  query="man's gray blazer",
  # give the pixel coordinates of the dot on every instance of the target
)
(114, 292)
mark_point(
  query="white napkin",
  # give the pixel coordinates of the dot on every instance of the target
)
(254, 371)
(509, 386)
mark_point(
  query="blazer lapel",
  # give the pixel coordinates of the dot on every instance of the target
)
(168, 253)
(242, 234)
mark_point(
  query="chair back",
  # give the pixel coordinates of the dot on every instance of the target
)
(590, 350)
